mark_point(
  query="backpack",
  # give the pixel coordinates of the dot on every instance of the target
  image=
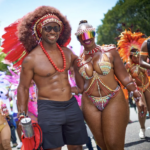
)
(148, 46)
(34, 143)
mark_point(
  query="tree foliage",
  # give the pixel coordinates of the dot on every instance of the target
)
(134, 13)
(3, 67)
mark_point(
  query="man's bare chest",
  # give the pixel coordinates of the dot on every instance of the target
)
(44, 67)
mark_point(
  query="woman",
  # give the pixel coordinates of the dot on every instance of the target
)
(104, 106)
(129, 50)
(5, 133)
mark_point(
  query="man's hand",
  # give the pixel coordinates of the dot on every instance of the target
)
(142, 108)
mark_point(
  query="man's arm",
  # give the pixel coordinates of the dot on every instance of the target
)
(143, 59)
(23, 88)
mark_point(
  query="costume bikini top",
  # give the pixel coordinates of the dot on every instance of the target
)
(104, 65)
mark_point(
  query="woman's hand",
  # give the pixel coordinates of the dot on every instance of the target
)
(142, 108)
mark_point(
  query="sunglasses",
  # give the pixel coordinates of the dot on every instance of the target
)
(86, 35)
(136, 54)
(49, 28)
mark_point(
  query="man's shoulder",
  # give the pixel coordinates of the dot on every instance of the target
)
(29, 59)
(31, 56)
(66, 49)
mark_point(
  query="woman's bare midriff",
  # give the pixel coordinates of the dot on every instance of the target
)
(109, 80)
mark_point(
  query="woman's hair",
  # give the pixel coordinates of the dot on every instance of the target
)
(26, 32)
(84, 23)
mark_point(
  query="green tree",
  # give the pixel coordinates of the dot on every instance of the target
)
(130, 12)
(3, 67)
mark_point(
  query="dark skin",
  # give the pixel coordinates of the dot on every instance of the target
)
(140, 75)
(143, 59)
(108, 126)
(5, 133)
(51, 84)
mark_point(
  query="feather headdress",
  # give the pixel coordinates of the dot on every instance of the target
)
(129, 41)
(24, 35)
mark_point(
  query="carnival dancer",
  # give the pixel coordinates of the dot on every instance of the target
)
(129, 49)
(47, 63)
(103, 103)
(5, 134)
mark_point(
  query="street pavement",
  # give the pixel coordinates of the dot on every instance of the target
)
(132, 140)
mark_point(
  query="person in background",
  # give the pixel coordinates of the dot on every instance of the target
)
(129, 49)
(5, 133)
(13, 96)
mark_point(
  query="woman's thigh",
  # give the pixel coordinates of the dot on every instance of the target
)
(92, 117)
(147, 98)
(114, 121)
(6, 133)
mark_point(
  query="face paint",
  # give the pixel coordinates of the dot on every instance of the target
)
(86, 35)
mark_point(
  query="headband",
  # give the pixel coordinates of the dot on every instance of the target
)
(79, 32)
(38, 25)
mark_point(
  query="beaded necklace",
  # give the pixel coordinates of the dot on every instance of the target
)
(94, 50)
(63, 56)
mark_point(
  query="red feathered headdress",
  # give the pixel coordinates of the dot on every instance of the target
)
(24, 34)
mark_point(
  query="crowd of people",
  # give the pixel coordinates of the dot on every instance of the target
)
(73, 98)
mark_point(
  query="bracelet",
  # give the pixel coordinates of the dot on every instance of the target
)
(77, 90)
(21, 116)
(131, 83)
(135, 98)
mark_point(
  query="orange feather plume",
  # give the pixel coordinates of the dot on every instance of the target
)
(129, 41)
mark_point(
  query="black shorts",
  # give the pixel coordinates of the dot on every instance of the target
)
(61, 123)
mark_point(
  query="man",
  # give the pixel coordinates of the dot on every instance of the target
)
(47, 64)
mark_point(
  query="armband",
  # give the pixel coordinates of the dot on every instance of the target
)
(144, 53)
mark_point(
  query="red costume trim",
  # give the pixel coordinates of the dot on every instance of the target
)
(15, 50)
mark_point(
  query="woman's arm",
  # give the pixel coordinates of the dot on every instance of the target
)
(120, 70)
(143, 58)
(122, 74)
(78, 89)
(78, 78)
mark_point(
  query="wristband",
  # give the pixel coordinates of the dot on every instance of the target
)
(21, 116)
(129, 84)
(77, 90)
(135, 98)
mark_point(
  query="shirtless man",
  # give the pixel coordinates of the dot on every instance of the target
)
(59, 115)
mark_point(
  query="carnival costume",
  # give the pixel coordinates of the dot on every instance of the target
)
(105, 67)
(130, 45)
